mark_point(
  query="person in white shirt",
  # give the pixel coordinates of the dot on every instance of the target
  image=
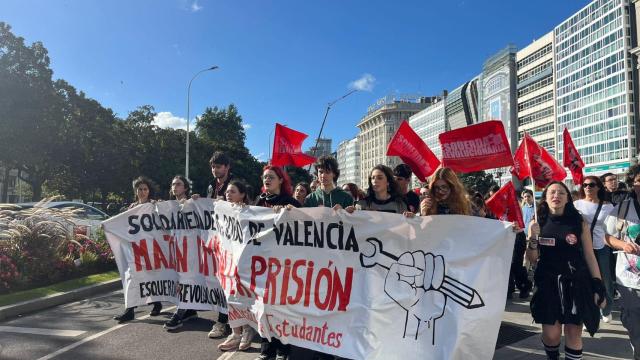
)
(594, 210)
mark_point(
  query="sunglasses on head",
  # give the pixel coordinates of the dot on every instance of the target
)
(589, 185)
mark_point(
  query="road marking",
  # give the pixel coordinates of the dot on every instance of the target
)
(229, 354)
(92, 337)
(41, 331)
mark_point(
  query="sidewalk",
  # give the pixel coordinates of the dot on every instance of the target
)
(610, 342)
(520, 339)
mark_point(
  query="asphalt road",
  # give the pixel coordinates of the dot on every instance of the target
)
(86, 330)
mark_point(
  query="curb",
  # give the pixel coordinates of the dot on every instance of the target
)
(29, 306)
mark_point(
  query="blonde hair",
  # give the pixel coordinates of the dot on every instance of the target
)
(457, 200)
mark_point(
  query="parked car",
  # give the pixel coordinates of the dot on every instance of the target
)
(86, 219)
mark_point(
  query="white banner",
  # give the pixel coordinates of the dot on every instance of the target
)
(164, 252)
(367, 285)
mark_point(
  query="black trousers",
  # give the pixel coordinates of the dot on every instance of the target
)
(518, 277)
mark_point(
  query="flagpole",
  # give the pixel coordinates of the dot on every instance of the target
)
(533, 182)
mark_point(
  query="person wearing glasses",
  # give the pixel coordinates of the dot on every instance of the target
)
(613, 192)
(569, 287)
(276, 195)
(594, 210)
(446, 195)
(623, 235)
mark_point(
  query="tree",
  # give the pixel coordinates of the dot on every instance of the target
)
(30, 139)
(221, 130)
(298, 175)
(479, 181)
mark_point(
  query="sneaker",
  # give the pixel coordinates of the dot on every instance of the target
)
(127, 315)
(157, 308)
(606, 319)
(175, 322)
(231, 343)
(616, 295)
(281, 357)
(264, 357)
(189, 315)
(218, 330)
(247, 337)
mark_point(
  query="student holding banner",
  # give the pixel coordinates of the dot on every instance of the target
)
(383, 194)
(569, 285)
(327, 194)
(180, 191)
(276, 195)
(144, 188)
(240, 338)
(446, 195)
(301, 191)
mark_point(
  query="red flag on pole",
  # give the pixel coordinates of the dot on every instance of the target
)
(287, 148)
(532, 160)
(571, 158)
(413, 151)
(504, 205)
(476, 147)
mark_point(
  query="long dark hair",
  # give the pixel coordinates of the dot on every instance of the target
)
(187, 186)
(601, 190)
(353, 190)
(242, 189)
(153, 188)
(394, 187)
(570, 211)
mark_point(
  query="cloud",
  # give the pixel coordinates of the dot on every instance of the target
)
(166, 119)
(246, 126)
(365, 83)
(195, 7)
(260, 157)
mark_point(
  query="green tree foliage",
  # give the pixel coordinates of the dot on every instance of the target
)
(30, 111)
(66, 143)
(221, 130)
(479, 181)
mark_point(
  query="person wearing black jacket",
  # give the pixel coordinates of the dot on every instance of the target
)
(220, 169)
(569, 284)
(277, 195)
(614, 193)
(402, 174)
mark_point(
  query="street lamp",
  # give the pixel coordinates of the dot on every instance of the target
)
(329, 105)
(186, 162)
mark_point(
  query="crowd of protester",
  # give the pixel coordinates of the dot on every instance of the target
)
(570, 241)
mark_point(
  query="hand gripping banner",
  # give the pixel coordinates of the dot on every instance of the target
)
(366, 285)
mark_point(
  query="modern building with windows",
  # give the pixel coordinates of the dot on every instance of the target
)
(594, 84)
(536, 96)
(379, 125)
(429, 123)
(498, 98)
(323, 148)
(462, 105)
(348, 157)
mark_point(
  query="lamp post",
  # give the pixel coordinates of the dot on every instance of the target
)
(186, 163)
(329, 105)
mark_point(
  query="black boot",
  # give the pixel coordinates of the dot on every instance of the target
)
(127, 315)
(157, 308)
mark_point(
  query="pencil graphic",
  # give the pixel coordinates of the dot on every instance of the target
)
(452, 288)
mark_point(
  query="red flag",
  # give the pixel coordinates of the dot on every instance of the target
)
(413, 151)
(571, 158)
(504, 205)
(532, 160)
(287, 148)
(476, 147)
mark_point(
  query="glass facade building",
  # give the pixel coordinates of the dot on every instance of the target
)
(594, 85)
(348, 157)
(536, 95)
(429, 123)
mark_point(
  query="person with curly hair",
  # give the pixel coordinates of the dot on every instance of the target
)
(446, 195)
